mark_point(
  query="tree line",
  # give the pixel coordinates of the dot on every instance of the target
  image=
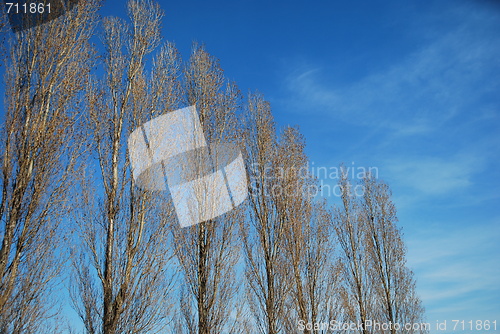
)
(71, 212)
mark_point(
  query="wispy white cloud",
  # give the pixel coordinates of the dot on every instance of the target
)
(434, 175)
(416, 95)
(457, 268)
(433, 97)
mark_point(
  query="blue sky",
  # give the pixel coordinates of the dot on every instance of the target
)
(409, 87)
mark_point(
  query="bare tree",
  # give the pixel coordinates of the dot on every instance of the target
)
(376, 283)
(356, 286)
(47, 67)
(308, 246)
(394, 286)
(128, 248)
(122, 268)
(209, 251)
(264, 236)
